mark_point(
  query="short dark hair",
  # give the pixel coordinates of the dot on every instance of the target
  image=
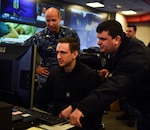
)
(133, 26)
(74, 43)
(113, 27)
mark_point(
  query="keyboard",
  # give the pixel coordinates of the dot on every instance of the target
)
(46, 118)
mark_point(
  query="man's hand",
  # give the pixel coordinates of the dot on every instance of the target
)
(75, 117)
(66, 112)
(103, 73)
(42, 71)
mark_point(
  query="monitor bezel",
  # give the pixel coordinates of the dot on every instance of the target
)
(33, 76)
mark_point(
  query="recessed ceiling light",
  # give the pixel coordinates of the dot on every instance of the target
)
(129, 12)
(95, 4)
(118, 6)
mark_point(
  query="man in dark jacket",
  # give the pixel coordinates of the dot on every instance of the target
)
(129, 76)
(130, 113)
(68, 84)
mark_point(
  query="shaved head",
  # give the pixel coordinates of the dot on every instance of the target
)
(53, 10)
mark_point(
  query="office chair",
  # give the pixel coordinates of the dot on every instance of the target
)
(93, 58)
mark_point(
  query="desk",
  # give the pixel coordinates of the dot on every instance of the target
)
(54, 127)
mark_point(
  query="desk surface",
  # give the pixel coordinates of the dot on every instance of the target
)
(54, 127)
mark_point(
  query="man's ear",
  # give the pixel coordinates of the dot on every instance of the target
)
(75, 54)
(60, 18)
(117, 40)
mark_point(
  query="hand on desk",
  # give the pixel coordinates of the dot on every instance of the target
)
(66, 112)
(75, 117)
(42, 71)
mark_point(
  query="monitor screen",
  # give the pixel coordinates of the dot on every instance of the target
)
(41, 8)
(13, 33)
(85, 23)
(22, 11)
(17, 67)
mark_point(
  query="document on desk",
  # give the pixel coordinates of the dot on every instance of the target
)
(34, 128)
(57, 127)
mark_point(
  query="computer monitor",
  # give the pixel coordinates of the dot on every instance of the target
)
(85, 23)
(15, 33)
(20, 11)
(17, 74)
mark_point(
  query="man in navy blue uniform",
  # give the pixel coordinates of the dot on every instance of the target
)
(46, 41)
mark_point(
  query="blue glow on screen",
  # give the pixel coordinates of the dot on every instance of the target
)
(19, 11)
(85, 24)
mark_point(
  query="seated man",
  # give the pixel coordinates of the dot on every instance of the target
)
(68, 84)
